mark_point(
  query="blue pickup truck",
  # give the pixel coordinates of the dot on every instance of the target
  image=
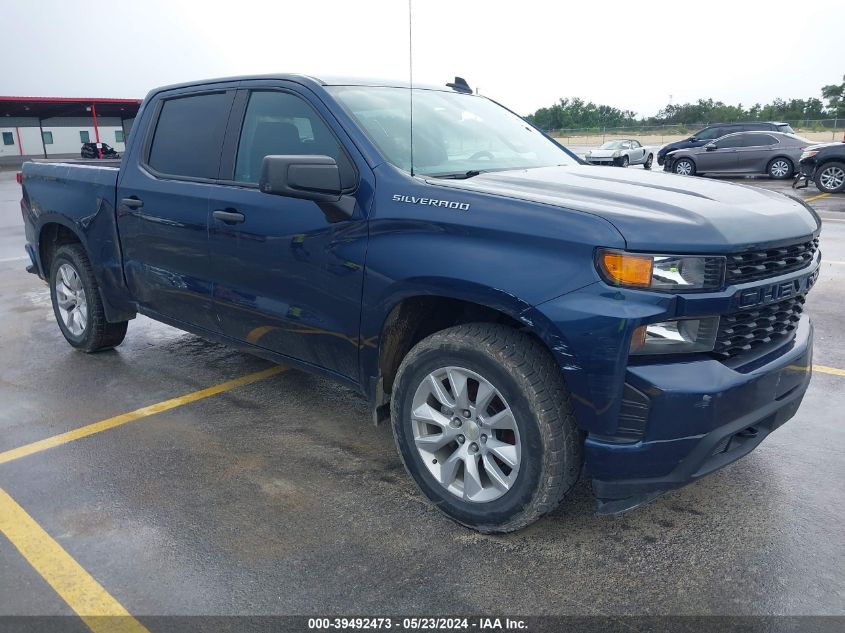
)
(521, 317)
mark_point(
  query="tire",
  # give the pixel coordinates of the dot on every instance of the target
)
(684, 167)
(649, 162)
(529, 419)
(830, 177)
(77, 305)
(623, 162)
(780, 168)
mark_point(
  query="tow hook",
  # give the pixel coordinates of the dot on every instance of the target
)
(751, 431)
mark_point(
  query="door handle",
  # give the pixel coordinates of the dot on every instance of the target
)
(132, 203)
(229, 216)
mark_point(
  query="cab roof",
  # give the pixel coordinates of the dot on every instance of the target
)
(308, 79)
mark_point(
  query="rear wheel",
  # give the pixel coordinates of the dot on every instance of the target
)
(649, 161)
(830, 177)
(780, 168)
(684, 167)
(77, 304)
(482, 420)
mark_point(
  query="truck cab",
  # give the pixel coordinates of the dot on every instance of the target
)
(514, 312)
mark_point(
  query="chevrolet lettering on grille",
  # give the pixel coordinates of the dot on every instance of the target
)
(775, 292)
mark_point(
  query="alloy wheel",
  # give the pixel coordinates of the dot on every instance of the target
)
(779, 169)
(832, 177)
(466, 434)
(684, 168)
(70, 297)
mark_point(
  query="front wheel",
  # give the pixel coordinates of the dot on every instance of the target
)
(77, 304)
(482, 421)
(684, 167)
(780, 169)
(830, 177)
(624, 161)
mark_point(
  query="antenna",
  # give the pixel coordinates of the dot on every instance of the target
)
(411, 78)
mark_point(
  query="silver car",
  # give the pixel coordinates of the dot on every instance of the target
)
(773, 153)
(622, 152)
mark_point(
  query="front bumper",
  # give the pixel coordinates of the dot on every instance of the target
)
(807, 168)
(657, 423)
(703, 415)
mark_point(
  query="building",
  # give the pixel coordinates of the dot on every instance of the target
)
(56, 127)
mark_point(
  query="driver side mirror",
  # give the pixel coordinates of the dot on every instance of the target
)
(692, 139)
(314, 178)
(710, 147)
(307, 177)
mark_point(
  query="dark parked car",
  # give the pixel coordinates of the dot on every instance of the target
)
(825, 165)
(769, 153)
(717, 130)
(89, 150)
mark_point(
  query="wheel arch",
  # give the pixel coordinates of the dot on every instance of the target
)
(412, 317)
(55, 231)
(824, 163)
(676, 159)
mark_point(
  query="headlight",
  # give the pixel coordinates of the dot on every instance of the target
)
(676, 337)
(617, 154)
(669, 273)
(809, 154)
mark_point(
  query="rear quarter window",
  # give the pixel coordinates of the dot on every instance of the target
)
(758, 140)
(189, 134)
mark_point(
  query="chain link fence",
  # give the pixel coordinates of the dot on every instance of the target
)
(820, 130)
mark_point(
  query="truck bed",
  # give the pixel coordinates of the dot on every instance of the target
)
(79, 195)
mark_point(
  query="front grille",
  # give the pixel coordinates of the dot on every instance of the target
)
(755, 265)
(745, 330)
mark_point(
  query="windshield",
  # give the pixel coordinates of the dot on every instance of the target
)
(454, 133)
(612, 145)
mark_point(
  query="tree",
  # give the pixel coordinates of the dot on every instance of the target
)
(835, 95)
(576, 113)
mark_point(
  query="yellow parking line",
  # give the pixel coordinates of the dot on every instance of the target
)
(96, 606)
(110, 423)
(829, 370)
(818, 197)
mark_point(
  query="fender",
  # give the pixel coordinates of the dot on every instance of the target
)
(375, 316)
(531, 319)
(43, 220)
(96, 234)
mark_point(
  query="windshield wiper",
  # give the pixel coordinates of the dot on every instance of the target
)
(459, 175)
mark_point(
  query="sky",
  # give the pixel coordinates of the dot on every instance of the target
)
(524, 53)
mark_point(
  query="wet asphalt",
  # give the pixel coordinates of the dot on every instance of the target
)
(281, 497)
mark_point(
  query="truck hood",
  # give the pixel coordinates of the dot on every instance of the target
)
(657, 211)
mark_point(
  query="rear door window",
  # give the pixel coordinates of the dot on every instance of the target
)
(737, 140)
(189, 134)
(709, 133)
